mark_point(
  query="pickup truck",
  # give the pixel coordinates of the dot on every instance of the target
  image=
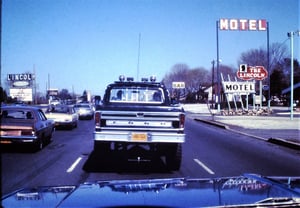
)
(140, 114)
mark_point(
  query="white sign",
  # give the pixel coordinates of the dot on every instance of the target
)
(21, 94)
(243, 24)
(239, 87)
(178, 85)
(20, 77)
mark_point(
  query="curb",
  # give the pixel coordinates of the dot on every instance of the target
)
(282, 142)
(277, 141)
(215, 123)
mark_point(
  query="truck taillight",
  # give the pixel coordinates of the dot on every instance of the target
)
(97, 119)
(181, 120)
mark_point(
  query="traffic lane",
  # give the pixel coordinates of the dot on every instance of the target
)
(225, 153)
(70, 159)
(22, 168)
(75, 146)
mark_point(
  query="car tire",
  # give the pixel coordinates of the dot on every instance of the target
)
(173, 156)
(38, 145)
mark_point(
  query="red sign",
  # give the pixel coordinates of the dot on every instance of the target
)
(252, 72)
(243, 24)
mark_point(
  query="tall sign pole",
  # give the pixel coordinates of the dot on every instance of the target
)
(218, 69)
(292, 74)
(268, 67)
(240, 25)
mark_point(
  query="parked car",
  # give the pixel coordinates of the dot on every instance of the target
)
(63, 115)
(25, 124)
(84, 110)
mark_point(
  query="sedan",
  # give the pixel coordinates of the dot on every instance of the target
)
(84, 110)
(25, 124)
(63, 115)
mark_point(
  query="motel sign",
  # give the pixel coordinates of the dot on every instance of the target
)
(243, 24)
(239, 87)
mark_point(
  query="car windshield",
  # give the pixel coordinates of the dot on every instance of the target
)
(136, 95)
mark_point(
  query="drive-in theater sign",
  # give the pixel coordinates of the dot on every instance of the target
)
(245, 72)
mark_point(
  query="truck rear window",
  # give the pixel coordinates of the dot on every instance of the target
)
(136, 95)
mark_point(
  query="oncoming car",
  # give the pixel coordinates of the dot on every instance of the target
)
(25, 124)
(84, 110)
(63, 116)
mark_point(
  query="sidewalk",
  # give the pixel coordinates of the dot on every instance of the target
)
(276, 127)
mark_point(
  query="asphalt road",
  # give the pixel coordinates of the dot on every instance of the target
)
(209, 152)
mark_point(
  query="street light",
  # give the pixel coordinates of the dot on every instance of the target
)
(291, 36)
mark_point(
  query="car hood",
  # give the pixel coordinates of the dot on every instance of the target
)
(245, 191)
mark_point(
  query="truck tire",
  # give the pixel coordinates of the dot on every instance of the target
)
(101, 147)
(173, 156)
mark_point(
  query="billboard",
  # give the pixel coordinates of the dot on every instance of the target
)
(22, 94)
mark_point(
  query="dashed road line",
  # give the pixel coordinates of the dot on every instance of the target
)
(204, 166)
(73, 166)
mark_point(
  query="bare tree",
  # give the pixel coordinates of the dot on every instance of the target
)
(64, 94)
(259, 57)
(194, 80)
(178, 73)
(254, 57)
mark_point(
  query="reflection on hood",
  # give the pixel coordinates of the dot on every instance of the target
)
(249, 190)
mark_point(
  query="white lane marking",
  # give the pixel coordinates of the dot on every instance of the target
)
(73, 166)
(204, 166)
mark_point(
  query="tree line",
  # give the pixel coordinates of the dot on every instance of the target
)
(198, 79)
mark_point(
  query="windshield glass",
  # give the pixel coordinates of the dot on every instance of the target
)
(81, 106)
(16, 114)
(59, 109)
(136, 95)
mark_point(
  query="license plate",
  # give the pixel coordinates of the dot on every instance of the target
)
(139, 137)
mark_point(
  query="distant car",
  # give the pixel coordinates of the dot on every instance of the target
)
(55, 102)
(63, 115)
(84, 110)
(25, 124)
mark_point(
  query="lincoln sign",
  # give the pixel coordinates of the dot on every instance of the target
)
(239, 87)
(252, 72)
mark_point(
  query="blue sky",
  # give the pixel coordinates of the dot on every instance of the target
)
(86, 44)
